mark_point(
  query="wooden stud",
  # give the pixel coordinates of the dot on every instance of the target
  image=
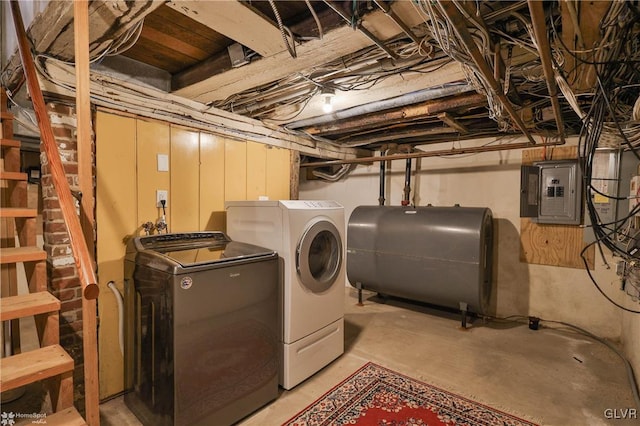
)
(85, 176)
(536, 9)
(460, 27)
(451, 121)
(48, 328)
(60, 390)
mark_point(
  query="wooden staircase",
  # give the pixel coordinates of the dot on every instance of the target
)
(49, 363)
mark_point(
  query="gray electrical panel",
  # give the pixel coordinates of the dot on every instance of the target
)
(551, 192)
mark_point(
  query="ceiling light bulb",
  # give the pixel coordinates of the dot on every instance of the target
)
(327, 107)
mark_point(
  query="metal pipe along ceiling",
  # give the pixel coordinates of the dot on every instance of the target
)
(435, 153)
(398, 101)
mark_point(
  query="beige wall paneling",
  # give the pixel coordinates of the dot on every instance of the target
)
(256, 170)
(185, 180)
(116, 218)
(278, 173)
(153, 138)
(235, 170)
(212, 217)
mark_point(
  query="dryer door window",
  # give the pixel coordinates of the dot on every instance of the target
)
(319, 256)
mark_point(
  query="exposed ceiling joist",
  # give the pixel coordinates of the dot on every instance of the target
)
(412, 112)
(538, 20)
(363, 29)
(460, 27)
(397, 20)
(452, 122)
(51, 31)
(334, 45)
(236, 20)
(115, 94)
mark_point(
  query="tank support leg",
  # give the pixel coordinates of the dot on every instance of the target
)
(463, 312)
(359, 287)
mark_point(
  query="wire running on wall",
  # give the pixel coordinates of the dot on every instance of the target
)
(609, 123)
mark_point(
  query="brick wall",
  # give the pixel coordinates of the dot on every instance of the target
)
(63, 276)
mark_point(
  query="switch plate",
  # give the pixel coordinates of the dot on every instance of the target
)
(163, 163)
(162, 194)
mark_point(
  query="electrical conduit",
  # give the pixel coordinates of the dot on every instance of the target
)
(119, 300)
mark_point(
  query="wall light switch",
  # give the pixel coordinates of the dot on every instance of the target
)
(163, 163)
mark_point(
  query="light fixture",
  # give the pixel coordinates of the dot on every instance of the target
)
(327, 94)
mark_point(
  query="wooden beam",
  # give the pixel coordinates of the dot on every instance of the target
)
(412, 112)
(363, 29)
(334, 45)
(115, 94)
(218, 63)
(85, 177)
(80, 253)
(397, 20)
(237, 21)
(499, 67)
(536, 8)
(460, 27)
(52, 30)
(581, 31)
(451, 121)
(396, 135)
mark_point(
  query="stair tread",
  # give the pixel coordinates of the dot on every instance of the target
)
(11, 143)
(6, 115)
(25, 305)
(67, 417)
(13, 176)
(29, 367)
(21, 254)
(18, 212)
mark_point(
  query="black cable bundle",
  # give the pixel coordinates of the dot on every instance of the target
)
(608, 105)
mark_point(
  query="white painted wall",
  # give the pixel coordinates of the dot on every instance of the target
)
(493, 180)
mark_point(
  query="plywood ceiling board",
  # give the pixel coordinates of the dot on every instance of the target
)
(236, 21)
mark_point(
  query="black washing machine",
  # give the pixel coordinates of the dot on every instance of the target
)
(201, 331)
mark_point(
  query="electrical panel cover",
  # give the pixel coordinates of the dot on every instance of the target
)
(560, 197)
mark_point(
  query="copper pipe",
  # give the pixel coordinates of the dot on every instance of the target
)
(439, 153)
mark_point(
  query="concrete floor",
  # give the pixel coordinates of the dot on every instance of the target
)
(549, 376)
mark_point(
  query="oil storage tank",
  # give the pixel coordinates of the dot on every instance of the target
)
(436, 255)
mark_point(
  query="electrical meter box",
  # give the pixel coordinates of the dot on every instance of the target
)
(551, 192)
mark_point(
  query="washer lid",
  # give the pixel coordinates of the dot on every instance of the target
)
(199, 248)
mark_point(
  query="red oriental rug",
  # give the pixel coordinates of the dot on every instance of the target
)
(374, 395)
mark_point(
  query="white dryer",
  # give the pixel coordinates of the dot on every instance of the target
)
(309, 237)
